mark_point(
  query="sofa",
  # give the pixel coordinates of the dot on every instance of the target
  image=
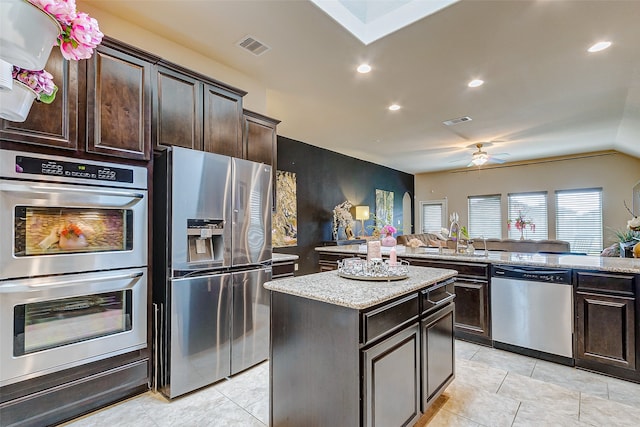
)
(506, 245)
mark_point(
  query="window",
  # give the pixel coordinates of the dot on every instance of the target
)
(579, 219)
(485, 219)
(433, 216)
(532, 207)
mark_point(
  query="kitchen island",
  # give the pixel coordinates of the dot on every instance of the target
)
(359, 353)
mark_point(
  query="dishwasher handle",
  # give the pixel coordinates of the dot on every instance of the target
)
(532, 273)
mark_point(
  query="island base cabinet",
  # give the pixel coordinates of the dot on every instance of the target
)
(438, 354)
(314, 363)
(391, 381)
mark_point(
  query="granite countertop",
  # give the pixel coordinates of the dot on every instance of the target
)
(330, 288)
(587, 262)
(278, 257)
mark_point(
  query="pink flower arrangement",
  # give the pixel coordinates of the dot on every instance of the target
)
(388, 230)
(41, 82)
(521, 223)
(80, 33)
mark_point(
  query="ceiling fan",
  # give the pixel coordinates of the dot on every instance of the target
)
(480, 157)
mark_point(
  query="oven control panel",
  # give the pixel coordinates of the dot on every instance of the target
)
(48, 167)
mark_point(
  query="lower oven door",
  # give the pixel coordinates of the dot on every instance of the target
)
(53, 323)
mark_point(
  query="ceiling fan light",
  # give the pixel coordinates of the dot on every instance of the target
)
(479, 159)
(599, 46)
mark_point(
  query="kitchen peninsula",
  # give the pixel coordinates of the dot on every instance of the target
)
(349, 352)
(603, 301)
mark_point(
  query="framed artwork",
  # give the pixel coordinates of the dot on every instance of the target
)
(384, 207)
(285, 219)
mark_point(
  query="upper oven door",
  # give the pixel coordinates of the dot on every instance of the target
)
(52, 228)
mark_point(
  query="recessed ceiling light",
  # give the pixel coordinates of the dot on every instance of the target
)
(599, 46)
(394, 107)
(476, 83)
(364, 68)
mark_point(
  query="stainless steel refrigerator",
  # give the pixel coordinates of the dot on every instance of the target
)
(212, 254)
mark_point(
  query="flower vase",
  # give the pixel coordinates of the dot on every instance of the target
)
(521, 234)
(28, 34)
(15, 104)
(388, 241)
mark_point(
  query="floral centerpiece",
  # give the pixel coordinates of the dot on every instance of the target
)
(388, 239)
(41, 82)
(388, 230)
(80, 33)
(629, 239)
(521, 223)
(79, 37)
(342, 219)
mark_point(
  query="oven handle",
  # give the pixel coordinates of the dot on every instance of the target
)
(41, 188)
(6, 289)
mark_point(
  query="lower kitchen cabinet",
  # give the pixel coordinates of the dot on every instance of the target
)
(391, 380)
(607, 323)
(472, 314)
(438, 354)
(472, 310)
(282, 269)
(382, 366)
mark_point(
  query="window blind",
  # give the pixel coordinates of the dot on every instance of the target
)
(432, 216)
(533, 208)
(485, 219)
(579, 219)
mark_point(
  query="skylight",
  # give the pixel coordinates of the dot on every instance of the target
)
(370, 20)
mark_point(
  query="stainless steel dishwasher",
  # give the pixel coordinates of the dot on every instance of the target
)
(532, 311)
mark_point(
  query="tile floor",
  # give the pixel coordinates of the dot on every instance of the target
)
(492, 388)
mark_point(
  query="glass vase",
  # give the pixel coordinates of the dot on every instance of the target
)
(388, 241)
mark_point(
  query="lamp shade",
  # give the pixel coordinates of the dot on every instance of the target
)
(362, 212)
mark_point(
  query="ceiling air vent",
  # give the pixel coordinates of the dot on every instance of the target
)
(456, 121)
(252, 45)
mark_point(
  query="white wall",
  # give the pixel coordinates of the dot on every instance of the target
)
(615, 173)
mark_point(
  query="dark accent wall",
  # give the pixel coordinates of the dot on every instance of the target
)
(325, 179)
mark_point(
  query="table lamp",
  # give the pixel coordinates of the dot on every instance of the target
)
(362, 213)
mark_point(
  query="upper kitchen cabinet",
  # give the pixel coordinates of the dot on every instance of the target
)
(193, 111)
(222, 120)
(119, 101)
(177, 108)
(260, 138)
(57, 124)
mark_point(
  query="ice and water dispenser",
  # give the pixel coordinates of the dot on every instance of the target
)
(206, 241)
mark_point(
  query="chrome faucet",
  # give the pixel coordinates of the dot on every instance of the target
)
(454, 229)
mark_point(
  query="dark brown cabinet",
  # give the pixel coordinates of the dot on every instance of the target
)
(438, 354)
(259, 138)
(367, 367)
(282, 269)
(607, 323)
(193, 111)
(391, 380)
(57, 124)
(472, 316)
(222, 121)
(119, 103)
(177, 109)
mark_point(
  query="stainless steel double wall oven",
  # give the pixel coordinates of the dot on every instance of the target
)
(73, 262)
